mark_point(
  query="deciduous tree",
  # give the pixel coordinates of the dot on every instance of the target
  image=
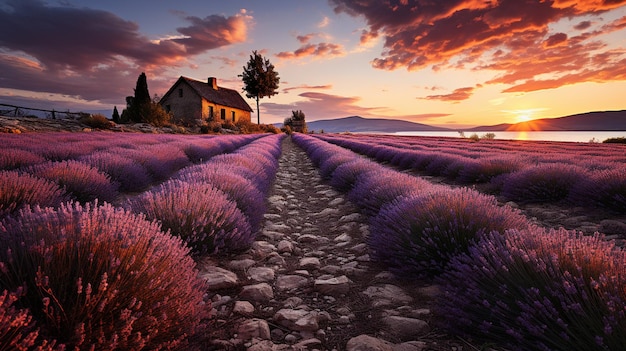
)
(259, 79)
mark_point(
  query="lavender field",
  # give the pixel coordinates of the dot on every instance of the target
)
(100, 232)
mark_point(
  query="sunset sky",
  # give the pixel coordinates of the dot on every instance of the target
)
(453, 63)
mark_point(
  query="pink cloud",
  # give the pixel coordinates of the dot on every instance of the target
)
(94, 54)
(317, 105)
(307, 87)
(321, 50)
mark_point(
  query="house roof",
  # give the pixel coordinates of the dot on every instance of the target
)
(221, 96)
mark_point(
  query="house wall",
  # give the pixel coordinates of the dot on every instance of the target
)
(239, 114)
(186, 109)
(190, 108)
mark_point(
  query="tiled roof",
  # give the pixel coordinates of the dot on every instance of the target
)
(221, 96)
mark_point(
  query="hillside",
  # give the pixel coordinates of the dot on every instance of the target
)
(590, 121)
(360, 125)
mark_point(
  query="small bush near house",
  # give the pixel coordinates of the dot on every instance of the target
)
(98, 277)
(154, 114)
(538, 289)
(417, 236)
(96, 121)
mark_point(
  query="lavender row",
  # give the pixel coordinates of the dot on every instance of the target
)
(98, 277)
(502, 279)
(96, 169)
(216, 206)
(95, 277)
(581, 175)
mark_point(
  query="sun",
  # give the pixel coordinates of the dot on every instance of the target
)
(524, 117)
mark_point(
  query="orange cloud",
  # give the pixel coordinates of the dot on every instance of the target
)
(512, 37)
(457, 95)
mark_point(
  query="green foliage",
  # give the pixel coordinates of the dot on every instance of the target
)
(296, 122)
(259, 79)
(96, 121)
(156, 115)
(141, 109)
(116, 115)
(618, 140)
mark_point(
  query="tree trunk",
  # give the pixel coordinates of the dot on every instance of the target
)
(258, 116)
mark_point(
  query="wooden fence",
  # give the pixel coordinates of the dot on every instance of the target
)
(22, 111)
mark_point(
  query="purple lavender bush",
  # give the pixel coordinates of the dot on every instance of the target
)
(604, 188)
(538, 289)
(201, 215)
(98, 277)
(17, 331)
(242, 191)
(18, 190)
(13, 158)
(346, 175)
(81, 181)
(543, 183)
(373, 190)
(130, 175)
(484, 169)
(331, 162)
(417, 236)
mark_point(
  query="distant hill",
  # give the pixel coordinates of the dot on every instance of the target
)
(590, 121)
(357, 124)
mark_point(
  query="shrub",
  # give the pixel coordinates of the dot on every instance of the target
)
(16, 326)
(417, 236)
(485, 169)
(331, 162)
(237, 188)
(20, 189)
(604, 188)
(98, 277)
(201, 215)
(538, 289)
(98, 121)
(373, 190)
(81, 181)
(345, 175)
(616, 140)
(542, 183)
(130, 175)
(16, 158)
(154, 114)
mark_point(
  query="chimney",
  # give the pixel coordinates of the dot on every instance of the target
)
(213, 83)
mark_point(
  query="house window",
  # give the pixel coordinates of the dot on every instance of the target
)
(223, 114)
(211, 113)
(232, 113)
(180, 92)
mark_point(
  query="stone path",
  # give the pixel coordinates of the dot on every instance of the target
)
(307, 283)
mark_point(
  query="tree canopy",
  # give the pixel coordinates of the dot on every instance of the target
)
(259, 79)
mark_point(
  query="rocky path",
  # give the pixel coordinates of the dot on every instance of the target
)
(307, 283)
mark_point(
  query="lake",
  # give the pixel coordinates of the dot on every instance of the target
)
(572, 136)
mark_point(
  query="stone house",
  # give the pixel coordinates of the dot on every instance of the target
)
(191, 101)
